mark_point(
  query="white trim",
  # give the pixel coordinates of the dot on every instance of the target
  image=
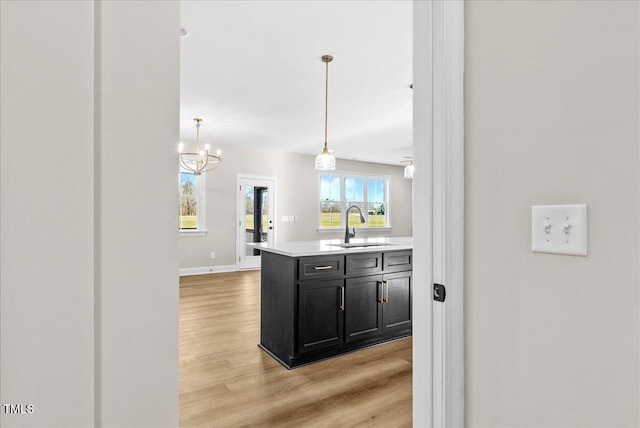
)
(206, 269)
(363, 229)
(422, 215)
(452, 87)
(192, 232)
(438, 363)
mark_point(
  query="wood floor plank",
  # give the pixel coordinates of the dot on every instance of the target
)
(227, 381)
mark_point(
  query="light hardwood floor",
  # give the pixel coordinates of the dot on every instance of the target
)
(227, 381)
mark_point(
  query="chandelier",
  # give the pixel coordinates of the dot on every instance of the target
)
(199, 161)
(325, 161)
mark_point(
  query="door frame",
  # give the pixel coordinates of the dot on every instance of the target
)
(240, 211)
(438, 212)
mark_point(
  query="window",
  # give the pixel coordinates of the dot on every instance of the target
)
(192, 203)
(338, 191)
(330, 202)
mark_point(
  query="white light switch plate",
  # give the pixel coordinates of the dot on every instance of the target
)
(559, 229)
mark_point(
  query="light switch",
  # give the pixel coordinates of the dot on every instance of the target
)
(559, 229)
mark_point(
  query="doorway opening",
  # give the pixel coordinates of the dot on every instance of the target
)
(256, 206)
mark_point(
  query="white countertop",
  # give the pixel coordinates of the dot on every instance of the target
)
(329, 246)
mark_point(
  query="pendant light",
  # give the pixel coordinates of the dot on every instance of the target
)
(199, 161)
(409, 169)
(325, 161)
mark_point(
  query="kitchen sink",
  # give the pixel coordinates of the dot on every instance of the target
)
(361, 244)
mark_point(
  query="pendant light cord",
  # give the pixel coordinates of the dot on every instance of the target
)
(326, 103)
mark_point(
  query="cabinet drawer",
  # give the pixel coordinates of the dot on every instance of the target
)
(320, 267)
(364, 264)
(397, 261)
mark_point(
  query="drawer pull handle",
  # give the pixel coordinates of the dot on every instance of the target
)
(342, 298)
(385, 288)
(380, 292)
(322, 267)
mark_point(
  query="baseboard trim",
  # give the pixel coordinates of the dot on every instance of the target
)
(206, 269)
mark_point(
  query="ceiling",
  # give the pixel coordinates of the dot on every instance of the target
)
(252, 71)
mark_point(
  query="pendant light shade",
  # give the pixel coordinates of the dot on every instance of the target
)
(325, 161)
(408, 170)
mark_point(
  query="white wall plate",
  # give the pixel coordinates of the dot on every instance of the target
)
(559, 229)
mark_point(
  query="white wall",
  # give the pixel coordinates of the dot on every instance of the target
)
(89, 247)
(46, 261)
(138, 259)
(545, 345)
(552, 117)
(297, 192)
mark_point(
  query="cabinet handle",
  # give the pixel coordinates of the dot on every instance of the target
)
(342, 298)
(322, 267)
(380, 292)
(385, 287)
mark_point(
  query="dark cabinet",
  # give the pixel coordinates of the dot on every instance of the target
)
(320, 314)
(397, 261)
(363, 307)
(317, 307)
(322, 267)
(363, 264)
(377, 304)
(397, 301)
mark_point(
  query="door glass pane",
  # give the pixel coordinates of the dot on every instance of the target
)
(265, 213)
(256, 216)
(248, 217)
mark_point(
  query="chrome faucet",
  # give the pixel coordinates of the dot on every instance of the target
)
(348, 235)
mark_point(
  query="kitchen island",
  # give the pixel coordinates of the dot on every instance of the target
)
(324, 298)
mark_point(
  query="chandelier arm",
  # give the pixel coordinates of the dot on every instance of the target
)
(204, 163)
(213, 165)
(185, 165)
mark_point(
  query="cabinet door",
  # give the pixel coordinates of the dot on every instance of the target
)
(363, 311)
(320, 314)
(397, 301)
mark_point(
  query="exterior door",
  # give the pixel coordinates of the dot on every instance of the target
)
(256, 217)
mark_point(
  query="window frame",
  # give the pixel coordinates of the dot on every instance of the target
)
(365, 176)
(201, 191)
